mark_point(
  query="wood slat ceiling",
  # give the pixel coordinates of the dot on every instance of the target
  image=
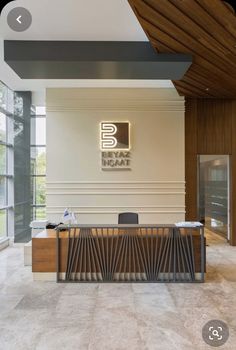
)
(204, 28)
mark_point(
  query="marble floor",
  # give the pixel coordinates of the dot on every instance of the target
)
(48, 316)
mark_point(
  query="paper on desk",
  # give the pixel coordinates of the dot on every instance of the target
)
(188, 224)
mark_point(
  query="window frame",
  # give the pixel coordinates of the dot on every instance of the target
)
(34, 177)
(7, 174)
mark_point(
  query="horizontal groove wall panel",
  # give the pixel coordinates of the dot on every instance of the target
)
(154, 187)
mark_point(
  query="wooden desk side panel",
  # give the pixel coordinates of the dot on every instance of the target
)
(44, 255)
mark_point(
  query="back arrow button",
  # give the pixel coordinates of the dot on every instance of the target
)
(19, 19)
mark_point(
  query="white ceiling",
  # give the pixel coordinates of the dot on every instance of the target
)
(73, 20)
(76, 20)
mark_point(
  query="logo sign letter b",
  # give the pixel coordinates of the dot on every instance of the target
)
(115, 135)
(108, 141)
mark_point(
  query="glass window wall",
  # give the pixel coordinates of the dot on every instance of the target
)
(38, 163)
(6, 162)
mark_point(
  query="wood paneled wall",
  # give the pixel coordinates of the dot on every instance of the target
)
(210, 128)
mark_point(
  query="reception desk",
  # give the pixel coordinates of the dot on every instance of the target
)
(121, 253)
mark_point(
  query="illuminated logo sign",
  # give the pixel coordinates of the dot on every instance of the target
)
(115, 135)
(115, 145)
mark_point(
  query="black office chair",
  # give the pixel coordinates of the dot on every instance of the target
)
(128, 218)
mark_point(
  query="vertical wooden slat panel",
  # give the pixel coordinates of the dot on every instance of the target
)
(210, 128)
(191, 158)
(214, 126)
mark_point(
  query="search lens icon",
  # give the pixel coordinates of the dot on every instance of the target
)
(215, 333)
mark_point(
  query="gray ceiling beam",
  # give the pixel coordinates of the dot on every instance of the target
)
(92, 60)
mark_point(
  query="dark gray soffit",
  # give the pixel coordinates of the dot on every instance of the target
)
(92, 60)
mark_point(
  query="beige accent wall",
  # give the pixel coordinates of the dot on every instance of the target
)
(155, 187)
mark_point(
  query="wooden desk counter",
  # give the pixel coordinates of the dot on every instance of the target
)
(44, 252)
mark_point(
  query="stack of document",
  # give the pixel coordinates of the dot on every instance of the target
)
(188, 224)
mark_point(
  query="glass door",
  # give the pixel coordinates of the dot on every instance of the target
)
(214, 193)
